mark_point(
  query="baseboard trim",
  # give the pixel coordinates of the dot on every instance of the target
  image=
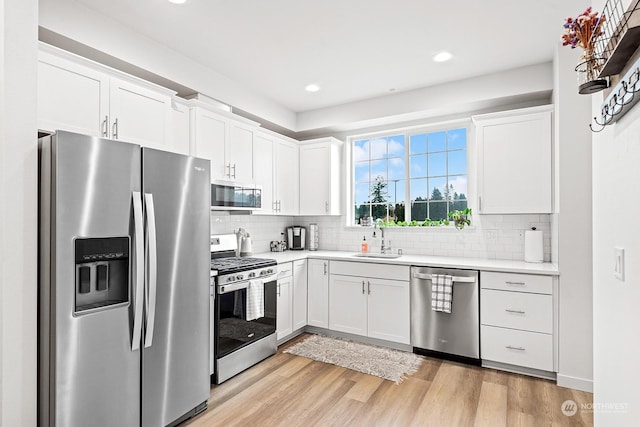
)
(575, 383)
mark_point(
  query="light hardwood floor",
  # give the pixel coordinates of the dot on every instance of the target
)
(288, 390)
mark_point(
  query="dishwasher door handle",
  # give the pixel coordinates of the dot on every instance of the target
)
(458, 279)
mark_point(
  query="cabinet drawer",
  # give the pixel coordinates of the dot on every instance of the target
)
(285, 269)
(521, 348)
(367, 269)
(517, 310)
(517, 282)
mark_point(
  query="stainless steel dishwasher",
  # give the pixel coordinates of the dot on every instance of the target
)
(454, 335)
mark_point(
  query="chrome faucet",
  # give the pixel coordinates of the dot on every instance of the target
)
(383, 248)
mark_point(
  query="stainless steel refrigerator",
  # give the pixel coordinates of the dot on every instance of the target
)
(124, 284)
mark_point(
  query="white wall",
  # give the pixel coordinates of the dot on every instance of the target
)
(18, 212)
(616, 314)
(574, 226)
(471, 94)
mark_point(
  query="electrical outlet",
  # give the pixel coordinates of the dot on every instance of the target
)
(520, 235)
(618, 263)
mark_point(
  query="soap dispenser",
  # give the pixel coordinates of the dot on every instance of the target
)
(365, 245)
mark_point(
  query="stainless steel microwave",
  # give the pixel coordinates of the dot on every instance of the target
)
(229, 195)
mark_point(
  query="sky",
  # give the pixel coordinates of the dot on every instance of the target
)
(429, 164)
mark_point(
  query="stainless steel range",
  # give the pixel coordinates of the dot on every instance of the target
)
(243, 310)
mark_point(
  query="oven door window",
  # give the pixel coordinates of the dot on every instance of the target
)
(233, 331)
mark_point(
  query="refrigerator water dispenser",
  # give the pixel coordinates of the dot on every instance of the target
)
(101, 272)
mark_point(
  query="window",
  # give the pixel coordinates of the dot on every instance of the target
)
(430, 167)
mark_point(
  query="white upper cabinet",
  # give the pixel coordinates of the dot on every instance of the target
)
(286, 178)
(320, 171)
(209, 137)
(140, 115)
(72, 97)
(515, 161)
(240, 152)
(78, 95)
(263, 146)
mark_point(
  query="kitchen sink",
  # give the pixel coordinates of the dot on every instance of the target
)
(388, 256)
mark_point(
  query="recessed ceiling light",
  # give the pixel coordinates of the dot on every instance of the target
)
(178, 1)
(442, 57)
(312, 88)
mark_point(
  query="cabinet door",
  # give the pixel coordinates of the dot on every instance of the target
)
(263, 170)
(284, 317)
(287, 178)
(348, 304)
(318, 293)
(140, 115)
(315, 179)
(240, 150)
(389, 310)
(209, 138)
(514, 164)
(72, 97)
(299, 294)
(180, 133)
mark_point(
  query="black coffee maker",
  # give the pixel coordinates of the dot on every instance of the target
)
(296, 237)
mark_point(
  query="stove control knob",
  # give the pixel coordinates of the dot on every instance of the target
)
(240, 277)
(230, 279)
(269, 271)
(252, 274)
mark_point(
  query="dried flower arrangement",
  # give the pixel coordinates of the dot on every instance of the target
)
(583, 30)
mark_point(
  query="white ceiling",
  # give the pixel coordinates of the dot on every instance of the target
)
(353, 49)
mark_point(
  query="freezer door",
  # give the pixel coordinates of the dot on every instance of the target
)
(89, 373)
(175, 366)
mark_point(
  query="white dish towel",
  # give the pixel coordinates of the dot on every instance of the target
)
(255, 299)
(441, 293)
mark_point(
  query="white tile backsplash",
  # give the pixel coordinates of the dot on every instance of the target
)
(471, 242)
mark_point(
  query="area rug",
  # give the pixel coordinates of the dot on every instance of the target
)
(386, 363)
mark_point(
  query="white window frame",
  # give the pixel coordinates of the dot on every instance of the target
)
(407, 131)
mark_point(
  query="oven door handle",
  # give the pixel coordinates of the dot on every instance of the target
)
(225, 289)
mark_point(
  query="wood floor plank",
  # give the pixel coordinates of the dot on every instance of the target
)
(452, 398)
(364, 387)
(492, 406)
(292, 391)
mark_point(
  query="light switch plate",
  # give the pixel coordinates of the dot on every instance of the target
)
(618, 263)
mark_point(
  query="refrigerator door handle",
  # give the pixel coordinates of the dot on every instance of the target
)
(152, 264)
(139, 275)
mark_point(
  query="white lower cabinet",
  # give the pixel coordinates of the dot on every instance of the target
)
(292, 298)
(284, 312)
(370, 306)
(521, 348)
(299, 294)
(517, 319)
(318, 293)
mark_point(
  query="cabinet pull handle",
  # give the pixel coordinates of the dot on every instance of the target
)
(105, 127)
(515, 283)
(228, 168)
(326, 207)
(234, 171)
(510, 347)
(279, 205)
(479, 203)
(514, 311)
(114, 129)
(368, 287)
(278, 289)
(325, 268)
(363, 287)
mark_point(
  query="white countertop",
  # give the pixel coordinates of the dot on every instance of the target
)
(504, 265)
